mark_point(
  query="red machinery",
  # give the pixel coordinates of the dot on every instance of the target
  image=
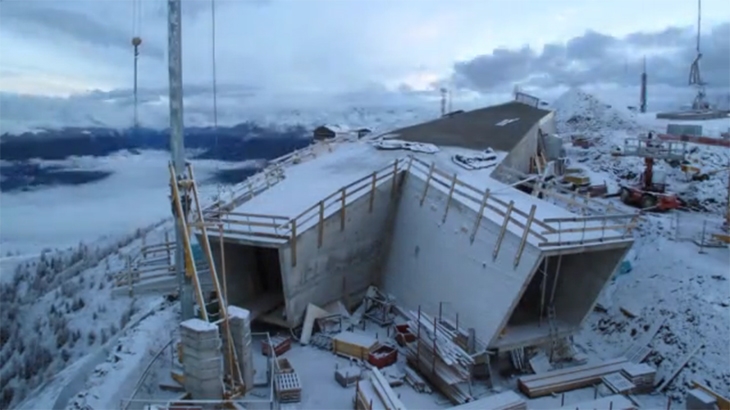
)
(651, 192)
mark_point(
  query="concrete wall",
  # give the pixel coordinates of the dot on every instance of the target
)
(351, 258)
(581, 279)
(519, 157)
(431, 261)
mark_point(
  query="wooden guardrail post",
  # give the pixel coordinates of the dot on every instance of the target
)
(372, 191)
(428, 182)
(395, 174)
(410, 163)
(479, 216)
(343, 198)
(320, 226)
(293, 243)
(167, 248)
(448, 200)
(503, 230)
(525, 234)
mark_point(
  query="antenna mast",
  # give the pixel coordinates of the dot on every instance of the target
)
(695, 77)
(642, 104)
(177, 147)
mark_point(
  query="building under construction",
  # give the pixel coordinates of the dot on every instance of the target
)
(326, 223)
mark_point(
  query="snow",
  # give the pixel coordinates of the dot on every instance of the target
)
(312, 180)
(671, 279)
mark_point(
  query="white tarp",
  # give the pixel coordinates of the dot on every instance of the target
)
(481, 160)
(390, 144)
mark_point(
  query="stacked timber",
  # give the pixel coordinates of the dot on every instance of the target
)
(508, 400)
(374, 393)
(435, 354)
(641, 375)
(557, 381)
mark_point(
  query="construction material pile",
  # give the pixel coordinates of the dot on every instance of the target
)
(435, 354)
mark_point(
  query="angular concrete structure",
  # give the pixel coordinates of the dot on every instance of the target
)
(342, 216)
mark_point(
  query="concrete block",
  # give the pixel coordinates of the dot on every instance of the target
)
(197, 326)
(201, 344)
(202, 365)
(235, 312)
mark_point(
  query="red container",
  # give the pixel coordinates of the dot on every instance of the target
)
(281, 345)
(403, 335)
(383, 356)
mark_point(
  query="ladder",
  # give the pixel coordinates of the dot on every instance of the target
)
(553, 326)
(181, 205)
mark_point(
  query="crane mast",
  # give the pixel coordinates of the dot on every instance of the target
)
(177, 147)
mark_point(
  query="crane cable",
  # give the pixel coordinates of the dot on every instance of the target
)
(136, 40)
(215, 81)
(215, 93)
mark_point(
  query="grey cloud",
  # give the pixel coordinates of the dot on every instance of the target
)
(599, 58)
(29, 16)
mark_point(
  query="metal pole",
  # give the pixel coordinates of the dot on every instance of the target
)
(177, 146)
(136, 118)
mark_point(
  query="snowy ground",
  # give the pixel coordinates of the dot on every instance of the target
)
(670, 279)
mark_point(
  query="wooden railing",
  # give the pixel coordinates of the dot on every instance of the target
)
(551, 232)
(337, 202)
(285, 228)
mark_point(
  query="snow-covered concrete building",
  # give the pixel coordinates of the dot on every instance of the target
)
(325, 223)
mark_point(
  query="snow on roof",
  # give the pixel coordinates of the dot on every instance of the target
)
(338, 128)
(309, 182)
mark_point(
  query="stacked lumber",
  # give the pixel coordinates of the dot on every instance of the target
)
(557, 381)
(354, 345)
(374, 393)
(508, 400)
(615, 402)
(416, 381)
(641, 375)
(435, 354)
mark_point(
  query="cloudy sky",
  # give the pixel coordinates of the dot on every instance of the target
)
(63, 47)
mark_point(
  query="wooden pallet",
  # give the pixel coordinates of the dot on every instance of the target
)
(288, 387)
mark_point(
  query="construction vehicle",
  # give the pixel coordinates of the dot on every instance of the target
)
(651, 191)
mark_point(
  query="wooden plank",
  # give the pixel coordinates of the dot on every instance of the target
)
(342, 209)
(293, 243)
(372, 192)
(450, 197)
(320, 225)
(722, 402)
(679, 368)
(556, 381)
(503, 230)
(395, 174)
(526, 232)
(480, 215)
(428, 182)
(615, 402)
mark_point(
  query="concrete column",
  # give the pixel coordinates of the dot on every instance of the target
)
(240, 322)
(202, 359)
